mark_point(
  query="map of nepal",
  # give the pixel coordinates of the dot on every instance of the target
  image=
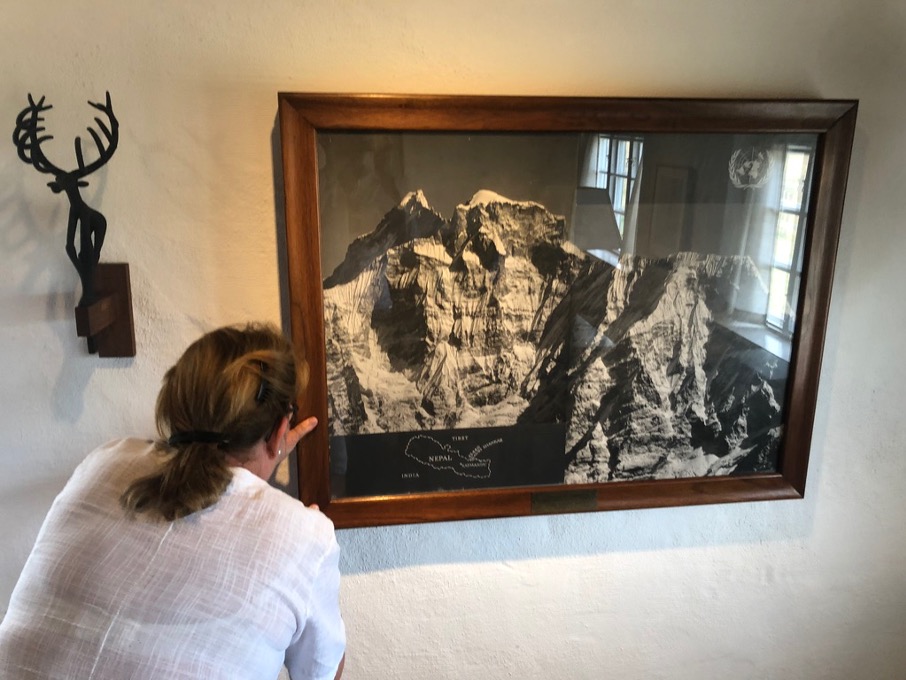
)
(429, 452)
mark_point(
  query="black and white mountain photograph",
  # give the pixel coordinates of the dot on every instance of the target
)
(499, 342)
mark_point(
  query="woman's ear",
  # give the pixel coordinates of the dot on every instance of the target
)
(276, 443)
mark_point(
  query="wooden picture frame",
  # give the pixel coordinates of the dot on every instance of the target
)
(664, 378)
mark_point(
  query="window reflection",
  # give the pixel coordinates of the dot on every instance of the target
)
(742, 196)
(612, 162)
(788, 238)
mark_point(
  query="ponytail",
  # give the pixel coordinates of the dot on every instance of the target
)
(226, 393)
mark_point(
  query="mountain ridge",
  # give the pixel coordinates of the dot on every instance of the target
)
(493, 318)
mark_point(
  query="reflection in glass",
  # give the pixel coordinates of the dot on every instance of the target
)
(612, 162)
(518, 309)
(785, 239)
(788, 239)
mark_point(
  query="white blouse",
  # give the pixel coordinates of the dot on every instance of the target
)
(231, 592)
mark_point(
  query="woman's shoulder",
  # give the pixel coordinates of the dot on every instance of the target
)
(115, 463)
(287, 514)
(128, 452)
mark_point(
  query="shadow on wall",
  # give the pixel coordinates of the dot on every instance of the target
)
(280, 222)
(529, 538)
(33, 236)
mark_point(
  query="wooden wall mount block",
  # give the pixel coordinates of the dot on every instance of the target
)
(108, 324)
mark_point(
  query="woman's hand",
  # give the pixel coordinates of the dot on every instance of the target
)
(293, 436)
(299, 432)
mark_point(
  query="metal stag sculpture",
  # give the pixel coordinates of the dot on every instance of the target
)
(91, 224)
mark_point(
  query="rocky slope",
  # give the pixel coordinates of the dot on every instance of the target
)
(493, 318)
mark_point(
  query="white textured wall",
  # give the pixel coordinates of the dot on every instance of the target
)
(798, 589)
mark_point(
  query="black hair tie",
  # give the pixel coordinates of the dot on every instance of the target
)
(198, 437)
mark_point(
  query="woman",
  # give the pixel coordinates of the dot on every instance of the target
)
(176, 559)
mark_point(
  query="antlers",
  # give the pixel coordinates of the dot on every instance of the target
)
(26, 136)
(29, 136)
(112, 133)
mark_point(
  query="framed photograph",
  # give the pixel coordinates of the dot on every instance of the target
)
(520, 305)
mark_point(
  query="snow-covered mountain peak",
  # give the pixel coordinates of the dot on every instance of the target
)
(415, 199)
(483, 197)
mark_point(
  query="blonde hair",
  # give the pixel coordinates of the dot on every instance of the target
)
(229, 390)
